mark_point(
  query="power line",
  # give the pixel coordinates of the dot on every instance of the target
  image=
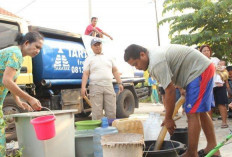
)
(30, 3)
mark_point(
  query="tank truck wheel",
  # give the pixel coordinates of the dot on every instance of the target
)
(10, 107)
(125, 104)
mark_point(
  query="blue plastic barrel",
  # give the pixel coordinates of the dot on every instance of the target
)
(98, 133)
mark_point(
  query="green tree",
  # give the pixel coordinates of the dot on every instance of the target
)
(198, 22)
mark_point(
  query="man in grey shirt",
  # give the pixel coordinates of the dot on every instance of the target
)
(185, 67)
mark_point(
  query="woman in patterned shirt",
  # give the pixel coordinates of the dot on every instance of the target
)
(11, 60)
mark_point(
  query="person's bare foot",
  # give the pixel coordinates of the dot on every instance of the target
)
(230, 105)
(224, 126)
(204, 152)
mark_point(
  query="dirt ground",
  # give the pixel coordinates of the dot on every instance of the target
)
(226, 151)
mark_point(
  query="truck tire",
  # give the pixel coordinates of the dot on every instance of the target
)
(125, 104)
(10, 107)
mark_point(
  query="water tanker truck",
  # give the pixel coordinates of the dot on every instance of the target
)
(54, 76)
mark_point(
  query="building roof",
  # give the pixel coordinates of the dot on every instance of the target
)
(5, 12)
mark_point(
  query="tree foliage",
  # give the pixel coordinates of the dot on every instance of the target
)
(201, 22)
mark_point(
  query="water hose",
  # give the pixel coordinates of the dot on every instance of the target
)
(211, 153)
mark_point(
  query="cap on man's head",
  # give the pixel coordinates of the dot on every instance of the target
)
(95, 40)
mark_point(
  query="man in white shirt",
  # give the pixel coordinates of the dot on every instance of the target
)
(99, 69)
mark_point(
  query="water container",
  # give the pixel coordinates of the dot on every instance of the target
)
(128, 126)
(152, 127)
(122, 145)
(98, 133)
(180, 135)
(84, 143)
(62, 145)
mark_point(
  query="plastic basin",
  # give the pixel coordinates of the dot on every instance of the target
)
(87, 124)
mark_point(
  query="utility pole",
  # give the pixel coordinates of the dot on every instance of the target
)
(157, 27)
(90, 10)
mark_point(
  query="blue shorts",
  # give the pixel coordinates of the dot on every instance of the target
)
(199, 92)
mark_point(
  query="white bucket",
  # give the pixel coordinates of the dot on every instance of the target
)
(122, 145)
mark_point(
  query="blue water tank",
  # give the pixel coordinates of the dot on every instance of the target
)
(59, 60)
(98, 133)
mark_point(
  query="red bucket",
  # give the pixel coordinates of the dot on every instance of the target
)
(44, 127)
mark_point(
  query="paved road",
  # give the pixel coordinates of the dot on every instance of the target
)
(226, 151)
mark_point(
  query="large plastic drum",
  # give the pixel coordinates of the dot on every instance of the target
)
(62, 145)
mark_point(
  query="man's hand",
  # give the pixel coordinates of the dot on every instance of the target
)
(170, 125)
(121, 88)
(110, 37)
(182, 92)
(83, 92)
(35, 103)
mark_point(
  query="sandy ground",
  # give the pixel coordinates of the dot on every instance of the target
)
(226, 151)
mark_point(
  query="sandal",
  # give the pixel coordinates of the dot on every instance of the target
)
(224, 126)
(201, 153)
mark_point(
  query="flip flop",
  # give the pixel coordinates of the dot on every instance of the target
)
(224, 126)
(201, 153)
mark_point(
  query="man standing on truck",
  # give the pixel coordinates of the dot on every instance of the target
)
(187, 68)
(94, 31)
(99, 69)
(11, 60)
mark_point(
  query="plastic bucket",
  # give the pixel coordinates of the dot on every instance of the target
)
(168, 149)
(44, 127)
(87, 124)
(123, 145)
(180, 135)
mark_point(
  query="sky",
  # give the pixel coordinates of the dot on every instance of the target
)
(127, 21)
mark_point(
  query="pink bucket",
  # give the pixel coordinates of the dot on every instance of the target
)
(44, 127)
